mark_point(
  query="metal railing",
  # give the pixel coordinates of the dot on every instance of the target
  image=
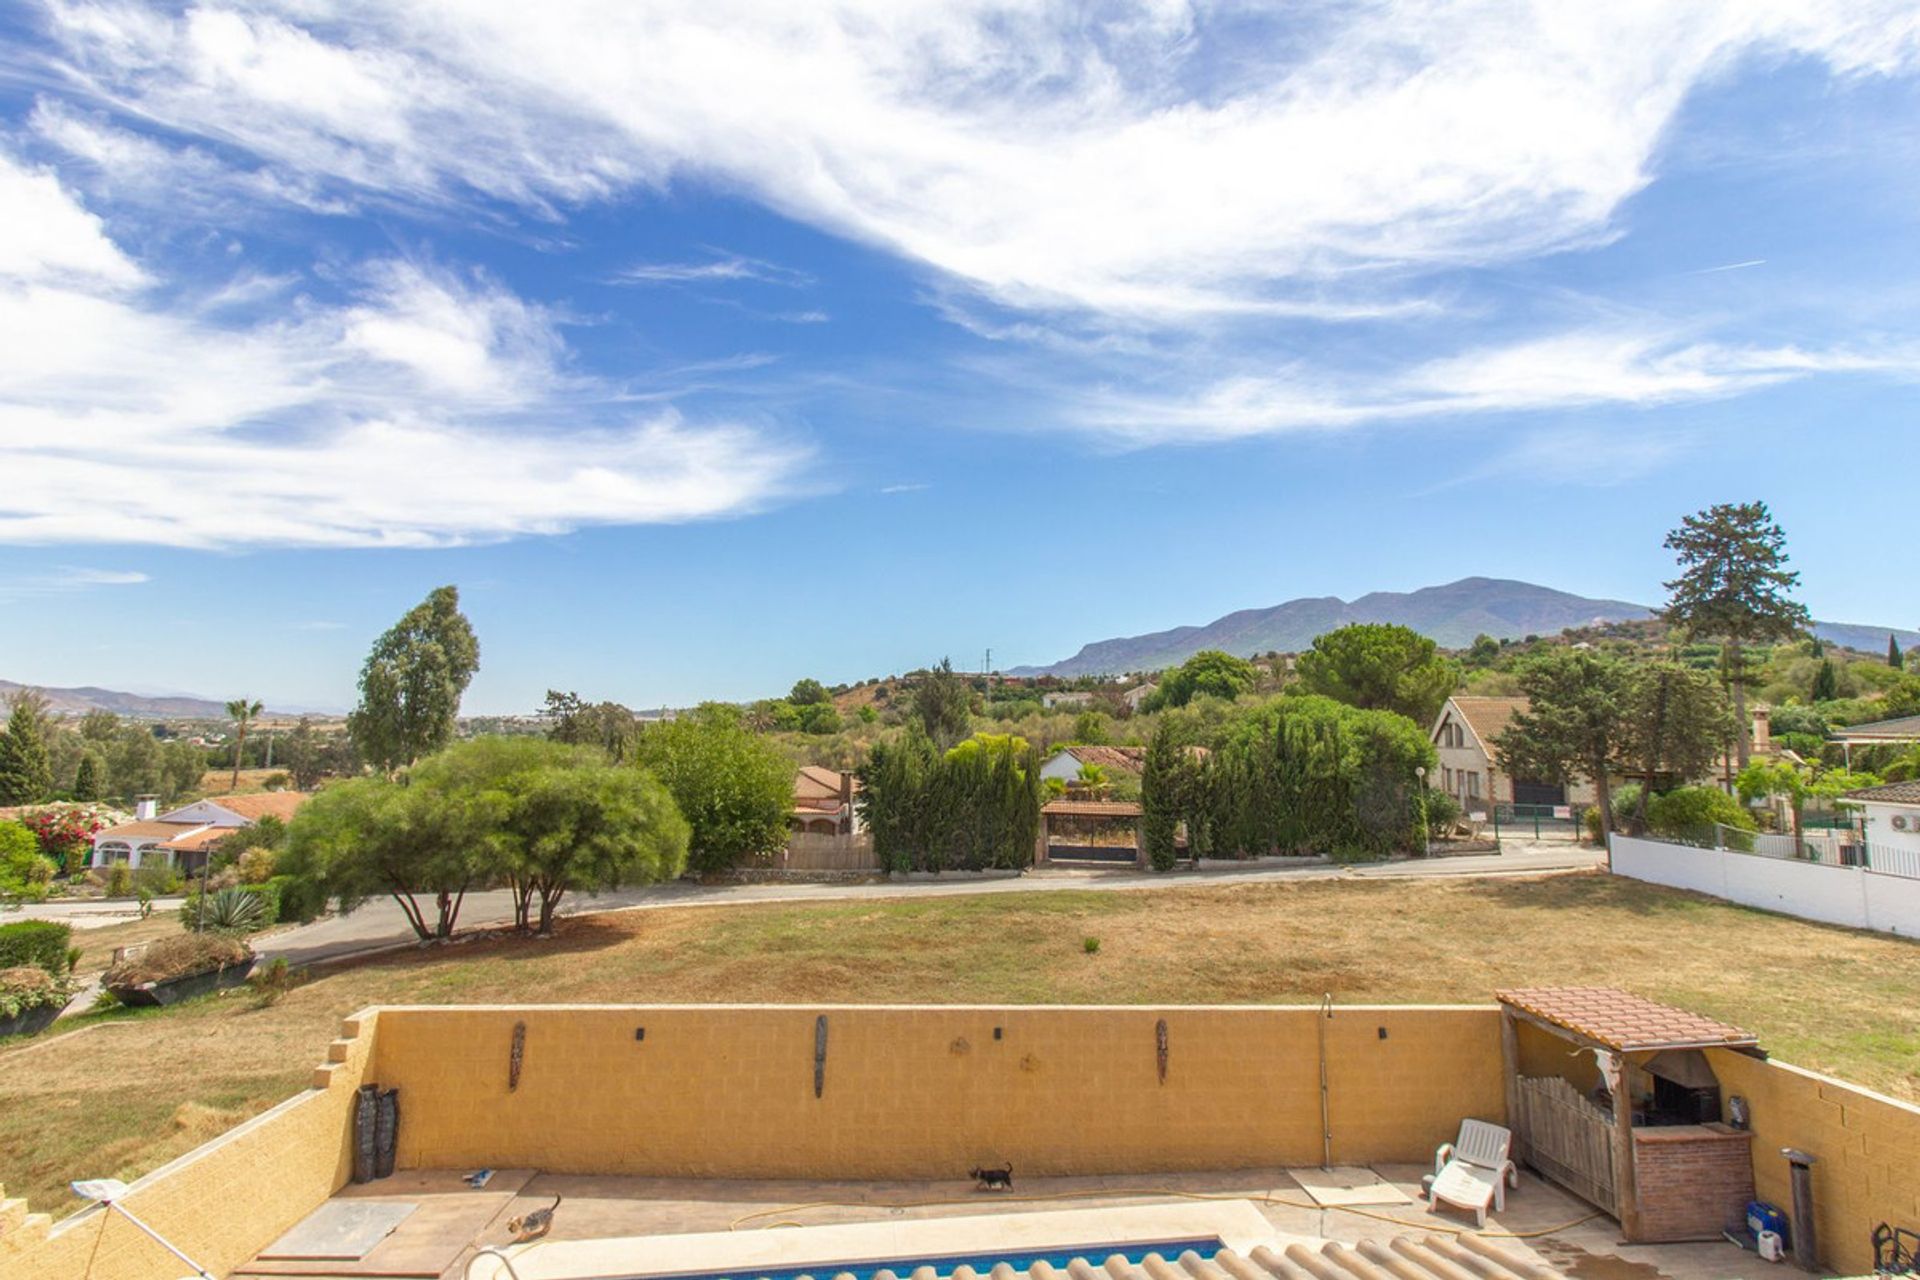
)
(1827, 848)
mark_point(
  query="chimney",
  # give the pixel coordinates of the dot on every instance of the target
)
(1762, 731)
(144, 807)
(846, 787)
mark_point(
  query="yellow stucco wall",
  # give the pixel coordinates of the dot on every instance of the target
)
(1868, 1149)
(929, 1092)
(224, 1201)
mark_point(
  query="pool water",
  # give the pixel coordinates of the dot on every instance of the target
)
(980, 1262)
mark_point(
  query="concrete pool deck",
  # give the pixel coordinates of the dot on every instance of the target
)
(1555, 1231)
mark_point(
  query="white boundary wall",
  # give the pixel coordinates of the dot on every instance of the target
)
(1850, 896)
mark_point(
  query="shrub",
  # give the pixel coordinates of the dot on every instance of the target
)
(1442, 811)
(157, 881)
(1690, 815)
(1090, 945)
(255, 865)
(23, 872)
(274, 981)
(65, 833)
(1596, 832)
(29, 987)
(43, 944)
(301, 898)
(276, 781)
(181, 956)
(119, 880)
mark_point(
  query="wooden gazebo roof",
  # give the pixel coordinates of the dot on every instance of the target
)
(1090, 809)
(1608, 1018)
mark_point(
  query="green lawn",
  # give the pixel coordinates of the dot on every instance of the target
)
(122, 1100)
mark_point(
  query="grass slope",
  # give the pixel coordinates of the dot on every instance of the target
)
(121, 1099)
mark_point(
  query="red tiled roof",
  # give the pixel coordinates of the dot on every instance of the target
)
(1126, 759)
(148, 830)
(280, 804)
(1622, 1021)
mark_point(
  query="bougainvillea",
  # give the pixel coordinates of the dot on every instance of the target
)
(65, 833)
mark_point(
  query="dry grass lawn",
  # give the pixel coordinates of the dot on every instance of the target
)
(131, 1093)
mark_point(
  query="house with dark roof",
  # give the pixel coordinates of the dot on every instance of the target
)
(184, 838)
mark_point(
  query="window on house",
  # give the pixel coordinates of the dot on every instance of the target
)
(1473, 783)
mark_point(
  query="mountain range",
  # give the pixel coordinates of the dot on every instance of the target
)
(1452, 616)
(79, 701)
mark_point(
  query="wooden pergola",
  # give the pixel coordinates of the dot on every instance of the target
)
(1628, 1028)
(1090, 816)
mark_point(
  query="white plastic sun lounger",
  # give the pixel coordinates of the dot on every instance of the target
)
(1473, 1171)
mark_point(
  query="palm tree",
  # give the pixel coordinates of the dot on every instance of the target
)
(241, 712)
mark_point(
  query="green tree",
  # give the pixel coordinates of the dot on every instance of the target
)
(734, 788)
(1159, 807)
(182, 766)
(1674, 722)
(87, 782)
(1575, 724)
(1734, 587)
(942, 701)
(1895, 658)
(26, 771)
(568, 820)
(607, 725)
(416, 840)
(1211, 673)
(1484, 652)
(242, 713)
(1826, 682)
(411, 684)
(808, 692)
(1380, 667)
(302, 754)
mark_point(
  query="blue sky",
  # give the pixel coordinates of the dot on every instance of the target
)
(711, 345)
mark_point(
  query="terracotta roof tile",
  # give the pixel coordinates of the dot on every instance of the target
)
(1621, 1020)
(1891, 793)
(1487, 717)
(280, 804)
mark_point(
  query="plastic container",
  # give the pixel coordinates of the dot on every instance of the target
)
(1764, 1218)
(1771, 1247)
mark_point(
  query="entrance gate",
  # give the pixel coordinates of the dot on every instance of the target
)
(1566, 1138)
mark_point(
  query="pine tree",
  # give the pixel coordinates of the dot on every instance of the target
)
(26, 773)
(1734, 586)
(1895, 658)
(86, 779)
(1826, 684)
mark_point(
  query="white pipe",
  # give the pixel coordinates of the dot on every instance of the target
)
(163, 1242)
(489, 1251)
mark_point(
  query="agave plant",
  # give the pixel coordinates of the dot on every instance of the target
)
(228, 911)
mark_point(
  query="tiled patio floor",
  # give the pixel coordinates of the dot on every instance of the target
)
(1541, 1222)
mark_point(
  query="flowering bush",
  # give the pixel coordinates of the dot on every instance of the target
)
(65, 833)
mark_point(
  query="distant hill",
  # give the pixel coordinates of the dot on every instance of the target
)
(88, 698)
(1452, 615)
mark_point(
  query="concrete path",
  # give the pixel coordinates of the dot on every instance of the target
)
(88, 913)
(379, 925)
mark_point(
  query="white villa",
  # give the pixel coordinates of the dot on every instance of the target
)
(183, 837)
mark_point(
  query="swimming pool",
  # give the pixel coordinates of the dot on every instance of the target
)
(982, 1263)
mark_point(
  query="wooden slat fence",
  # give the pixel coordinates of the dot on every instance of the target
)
(1566, 1138)
(811, 851)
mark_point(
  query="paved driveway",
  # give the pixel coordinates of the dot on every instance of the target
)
(380, 924)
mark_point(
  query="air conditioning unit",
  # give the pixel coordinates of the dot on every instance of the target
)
(1903, 823)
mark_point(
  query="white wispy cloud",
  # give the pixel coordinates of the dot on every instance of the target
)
(905, 488)
(1569, 371)
(727, 267)
(65, 580)
(1042, 159)
(432, 409)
